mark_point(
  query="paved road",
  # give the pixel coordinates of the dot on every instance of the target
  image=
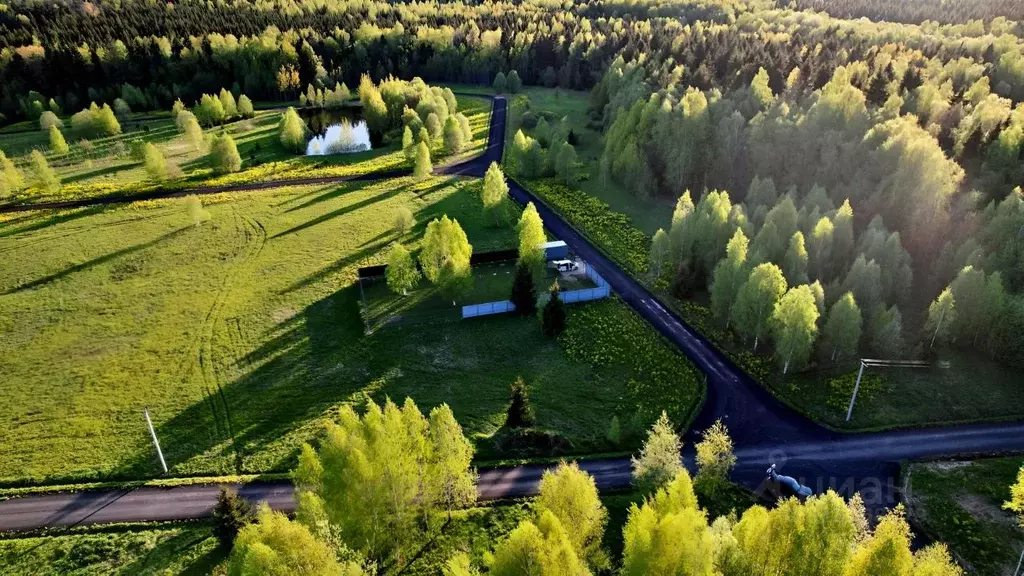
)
(765, 431)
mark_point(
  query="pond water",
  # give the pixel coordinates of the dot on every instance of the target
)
(336, 132)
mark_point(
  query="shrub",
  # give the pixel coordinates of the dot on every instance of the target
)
(224, 156)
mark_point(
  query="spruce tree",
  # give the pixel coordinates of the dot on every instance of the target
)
(520, 411)
(230, 515)
(524, 295)
(554, 318)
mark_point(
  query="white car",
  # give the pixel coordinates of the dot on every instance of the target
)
(566, 265)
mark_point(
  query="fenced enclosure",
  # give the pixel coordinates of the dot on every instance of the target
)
(491, 286)
(600, 290)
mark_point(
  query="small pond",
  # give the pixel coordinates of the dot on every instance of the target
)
(336, 132)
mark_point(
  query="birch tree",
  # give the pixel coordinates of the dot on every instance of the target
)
(756, 299)
(795, 326)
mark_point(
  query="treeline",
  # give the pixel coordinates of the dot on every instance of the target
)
(916, 12)
(77, 56)
(381, 484)
(851, 195)
(273, 50)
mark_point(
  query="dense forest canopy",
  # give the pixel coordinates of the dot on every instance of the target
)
(915, 11)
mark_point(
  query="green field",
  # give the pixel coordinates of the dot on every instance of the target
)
(960, 503)
(147, 549)
(109, 168)
(240, 335)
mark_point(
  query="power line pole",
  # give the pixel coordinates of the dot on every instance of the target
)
(156, 442)
(872, 363)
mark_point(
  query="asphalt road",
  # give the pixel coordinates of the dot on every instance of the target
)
(764, 430)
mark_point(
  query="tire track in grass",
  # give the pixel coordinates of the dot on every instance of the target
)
(255, 237)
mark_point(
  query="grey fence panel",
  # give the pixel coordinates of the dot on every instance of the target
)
(602, 290)
(487, 309)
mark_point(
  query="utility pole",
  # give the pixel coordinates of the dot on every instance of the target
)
(872, 363)
(156, 442)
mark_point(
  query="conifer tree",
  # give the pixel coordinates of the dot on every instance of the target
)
(554, 317)
(513, 84)
(566, 163)
(499, 82)
(524, 295)
(408, 144)
(245, 108)
(230, 515)
(520, 411)
(12, 175)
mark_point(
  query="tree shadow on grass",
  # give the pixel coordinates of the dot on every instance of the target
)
(346, 188)
(298, 374)
(95, 262)
(45, 222)
(167, 553)
(111, 169)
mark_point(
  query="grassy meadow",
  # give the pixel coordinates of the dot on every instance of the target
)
(109, 168)
(129, 549)
(960, 503)
(240, 335)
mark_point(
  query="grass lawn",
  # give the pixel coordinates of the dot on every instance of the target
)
(128, 550)
(242, 334)
(111, 170)
(962, 386)
(960, 503)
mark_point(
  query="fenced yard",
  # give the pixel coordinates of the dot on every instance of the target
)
(492, 286)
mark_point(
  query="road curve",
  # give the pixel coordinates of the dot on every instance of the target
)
(764, 430)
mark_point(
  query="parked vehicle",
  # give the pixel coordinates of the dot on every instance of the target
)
(566, 265)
